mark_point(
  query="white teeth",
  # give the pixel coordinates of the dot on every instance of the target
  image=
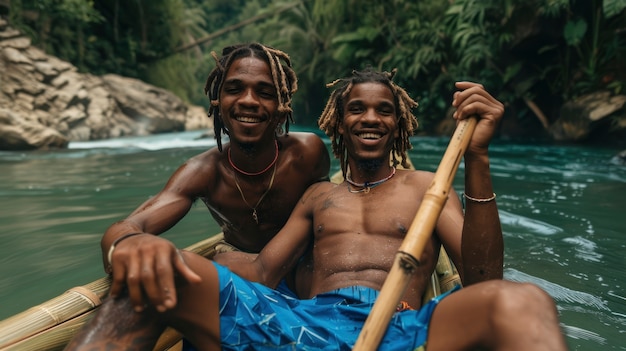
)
(369, 136)
(248, 119)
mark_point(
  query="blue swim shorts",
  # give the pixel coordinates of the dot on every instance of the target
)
(255, 317)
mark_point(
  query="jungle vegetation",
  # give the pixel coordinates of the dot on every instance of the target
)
(532, 54)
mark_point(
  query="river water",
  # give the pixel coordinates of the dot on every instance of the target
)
(562, 210)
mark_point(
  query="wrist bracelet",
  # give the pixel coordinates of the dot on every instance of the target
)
(473, 199)
(117, 241)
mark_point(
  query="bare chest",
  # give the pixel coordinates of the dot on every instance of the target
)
(385, 211)
(250, 211)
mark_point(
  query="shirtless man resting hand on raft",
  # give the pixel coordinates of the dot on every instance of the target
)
(355, 229)
(250, 184)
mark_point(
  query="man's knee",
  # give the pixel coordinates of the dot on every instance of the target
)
(519, 300)
(525, 309)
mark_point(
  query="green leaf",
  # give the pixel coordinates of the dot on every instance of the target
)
(574, 31)
(613, 7)
(511, 71)
(362, 33)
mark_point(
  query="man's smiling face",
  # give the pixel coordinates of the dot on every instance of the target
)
(370, 125)
(249, 102)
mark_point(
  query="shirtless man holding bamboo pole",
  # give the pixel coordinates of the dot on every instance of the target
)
(354, 230)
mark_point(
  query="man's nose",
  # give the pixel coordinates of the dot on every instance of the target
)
(371, 116)
(249, 98)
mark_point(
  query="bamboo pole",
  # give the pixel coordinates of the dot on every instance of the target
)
(407, 257)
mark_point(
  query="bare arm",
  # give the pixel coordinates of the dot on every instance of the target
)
(482, 245)
(155, 216)
(282, 253)
(146, 263)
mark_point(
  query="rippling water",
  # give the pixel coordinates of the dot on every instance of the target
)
(561, 208)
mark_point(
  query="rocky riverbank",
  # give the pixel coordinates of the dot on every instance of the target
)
(46, 103)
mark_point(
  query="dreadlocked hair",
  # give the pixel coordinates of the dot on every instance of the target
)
(333, 115)
(283, 75)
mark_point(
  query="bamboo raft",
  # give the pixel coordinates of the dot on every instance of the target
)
(49, 326)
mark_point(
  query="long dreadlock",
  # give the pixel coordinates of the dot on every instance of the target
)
(284, 77)
(333, 115)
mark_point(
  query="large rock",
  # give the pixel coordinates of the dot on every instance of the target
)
(579, 118)
(17, 134)
(46, 102)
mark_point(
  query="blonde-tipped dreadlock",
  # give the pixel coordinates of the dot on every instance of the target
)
(283, 75)
(332, 116)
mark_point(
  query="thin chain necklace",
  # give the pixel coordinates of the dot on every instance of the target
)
(254, 213)
(230, 160)
(367, 186)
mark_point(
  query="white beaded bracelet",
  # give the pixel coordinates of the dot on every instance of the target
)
(115, 242)
(473, 199)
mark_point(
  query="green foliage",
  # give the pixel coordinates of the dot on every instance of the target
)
(567, 48)
(587, 61)
(613, 8)
(574, 32)
(58, 26)
(544, 51)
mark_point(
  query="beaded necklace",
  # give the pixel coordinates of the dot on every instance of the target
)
(367, 186)
(230, 160)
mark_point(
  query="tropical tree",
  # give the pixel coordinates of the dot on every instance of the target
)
(307, 37)
(59, 26)
(540, 52)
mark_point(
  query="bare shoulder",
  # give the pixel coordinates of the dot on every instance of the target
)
(302, 136)
(415, 177)
(208, 159)
(303, 141)
(421, 182)
(306, 154)
(198, 171)
(318, 191)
